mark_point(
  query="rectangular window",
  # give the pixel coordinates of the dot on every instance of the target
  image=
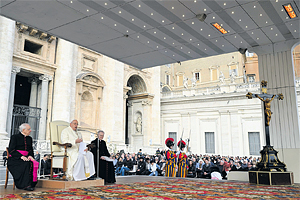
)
(209, 142)
(254, 143)
(197, 76)
(32, 47)
(167, 79)
(251, 78)
(174, 136)
(214, 74)
(233, 69)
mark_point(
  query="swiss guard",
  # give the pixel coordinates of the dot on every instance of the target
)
(171, 159)
(182, 160)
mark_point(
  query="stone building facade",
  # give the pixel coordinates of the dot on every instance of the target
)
(44, 78)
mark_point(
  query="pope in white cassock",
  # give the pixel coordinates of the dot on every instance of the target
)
(80, 164)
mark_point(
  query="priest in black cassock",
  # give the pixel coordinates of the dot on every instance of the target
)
(106, 168)
(21, 163)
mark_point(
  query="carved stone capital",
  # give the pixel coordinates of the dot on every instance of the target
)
(45, 77)
(15, 70)
(33, 80)
(125, 96)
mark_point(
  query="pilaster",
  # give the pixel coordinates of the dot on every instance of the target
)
(14, 72)
(62, 97)
(7, 35)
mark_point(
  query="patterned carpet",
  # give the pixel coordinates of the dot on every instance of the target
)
(169, 189)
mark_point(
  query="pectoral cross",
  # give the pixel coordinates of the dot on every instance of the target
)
(266, 98)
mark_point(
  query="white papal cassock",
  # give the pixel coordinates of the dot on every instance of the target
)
(80, 166)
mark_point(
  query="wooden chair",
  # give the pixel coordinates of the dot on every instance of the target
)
(7, 172)
(59, 158)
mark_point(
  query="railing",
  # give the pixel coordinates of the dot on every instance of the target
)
(229, 88)
(25, 114)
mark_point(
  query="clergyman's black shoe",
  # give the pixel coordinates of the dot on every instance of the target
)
(91, 178)
(29, 188)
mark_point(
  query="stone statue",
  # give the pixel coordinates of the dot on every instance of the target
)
(232, 77)
(222, 77)
(139, 124)
(185, 82)
(193, 82)
(244, 76)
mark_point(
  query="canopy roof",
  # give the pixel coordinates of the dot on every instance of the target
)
(146, 33)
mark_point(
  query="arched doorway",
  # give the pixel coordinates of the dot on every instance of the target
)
(136, 113)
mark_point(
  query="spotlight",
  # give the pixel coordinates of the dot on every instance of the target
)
(201, 17)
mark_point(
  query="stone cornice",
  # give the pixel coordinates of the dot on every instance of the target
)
(204, 98)
(34, 32)
(33, 64)
(89, 50)
(141, 96)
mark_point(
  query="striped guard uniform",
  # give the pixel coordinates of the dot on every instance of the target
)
(170, 164)
(182, 164)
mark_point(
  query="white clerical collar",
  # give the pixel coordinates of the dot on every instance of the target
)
(24, 134)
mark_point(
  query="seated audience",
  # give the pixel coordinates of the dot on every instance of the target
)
(45, 165)
(191, 170)
(128, 165)
(206, 170)
(148, 167)
(153, 169)
(199, 169)
(141, 167)
(119, 166)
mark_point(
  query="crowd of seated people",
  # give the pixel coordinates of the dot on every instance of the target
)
(199, 166)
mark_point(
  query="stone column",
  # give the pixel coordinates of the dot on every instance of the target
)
(14, 72)
(34, 90)
(44, 104)
(33, 103)
(7, 38)
(125, 97)
(64, 81)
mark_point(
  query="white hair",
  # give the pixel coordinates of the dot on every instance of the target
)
(100, 131)
(23, 126)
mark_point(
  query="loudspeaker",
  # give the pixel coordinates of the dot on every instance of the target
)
(201, 17)
(242, 51)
